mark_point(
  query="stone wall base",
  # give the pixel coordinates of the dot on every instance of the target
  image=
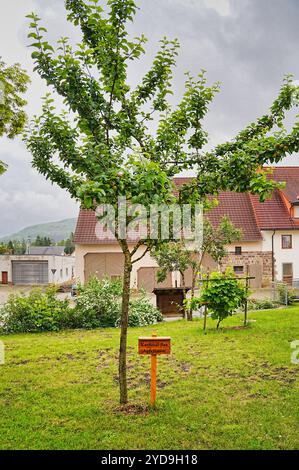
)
(259, 264)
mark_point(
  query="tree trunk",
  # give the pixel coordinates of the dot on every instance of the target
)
(184, 296)
(183, 309)
(194, 275)
(124, 327)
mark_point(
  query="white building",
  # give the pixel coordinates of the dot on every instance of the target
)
(37, 269)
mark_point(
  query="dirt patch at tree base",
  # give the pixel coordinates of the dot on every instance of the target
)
(133, 409)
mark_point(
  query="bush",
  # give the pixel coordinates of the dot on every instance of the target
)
(98, 304)
(142, 313)
(265, 304)
(39, 311)
(286, 294)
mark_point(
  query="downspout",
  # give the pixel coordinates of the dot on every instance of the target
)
(273, 259)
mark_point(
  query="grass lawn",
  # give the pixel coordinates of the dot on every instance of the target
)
(232, 389)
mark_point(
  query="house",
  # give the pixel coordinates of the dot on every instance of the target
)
(269, 248)
(46, 250)
(41, 265)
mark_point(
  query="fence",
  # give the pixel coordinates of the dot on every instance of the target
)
(285, 293)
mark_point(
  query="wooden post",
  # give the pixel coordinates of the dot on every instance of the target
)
(205, 319)
(206, 307)
(153, 375)
(246, 301)
(153, 379)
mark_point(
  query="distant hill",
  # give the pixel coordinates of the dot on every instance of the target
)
(55, 230)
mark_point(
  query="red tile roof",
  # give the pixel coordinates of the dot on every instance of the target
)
(244, 210)
(289, 175)
(273, 213)
(238, 207)
(85, 232)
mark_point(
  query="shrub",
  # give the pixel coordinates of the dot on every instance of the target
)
(224, 294)
(286, 294)
(98, 304)
(264, 304)
(142, 313)
(39, 311)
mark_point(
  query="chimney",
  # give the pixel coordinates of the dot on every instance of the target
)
(28, 245)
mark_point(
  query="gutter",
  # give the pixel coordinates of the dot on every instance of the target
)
(273, 259)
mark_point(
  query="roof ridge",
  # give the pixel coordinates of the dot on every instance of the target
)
(282, 198)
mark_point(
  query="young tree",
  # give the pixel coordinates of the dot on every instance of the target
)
(103, 139)
(215, 241)
(224, 294)
(13, 82)
(173, 257)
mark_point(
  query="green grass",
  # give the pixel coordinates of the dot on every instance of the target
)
(231, 389)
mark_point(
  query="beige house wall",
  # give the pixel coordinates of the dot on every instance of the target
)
(259, 262)
(83, 250)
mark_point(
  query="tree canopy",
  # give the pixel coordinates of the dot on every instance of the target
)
(13, 83)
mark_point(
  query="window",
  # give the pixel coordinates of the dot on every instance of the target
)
(296, 212)
(286, 242)
(238, 269)
(287, 273)
(61, 274)
(238, 250)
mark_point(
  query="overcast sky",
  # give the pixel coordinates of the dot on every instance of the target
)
(247, 45)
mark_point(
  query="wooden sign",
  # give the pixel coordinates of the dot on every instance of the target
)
(154, 346)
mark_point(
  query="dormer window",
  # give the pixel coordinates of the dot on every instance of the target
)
(295, 208)
(296, 212)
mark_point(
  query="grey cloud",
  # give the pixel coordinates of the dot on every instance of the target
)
(247, 45)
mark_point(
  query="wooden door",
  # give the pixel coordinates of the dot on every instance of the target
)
(287, 273)
(170, 304)
(256, 271)
(4, 277)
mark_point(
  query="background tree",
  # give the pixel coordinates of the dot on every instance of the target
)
(13, 83)
(42, 241)
(69, 245)
(4, 249)
(172, 257)
(16, 247)
(102, 146)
